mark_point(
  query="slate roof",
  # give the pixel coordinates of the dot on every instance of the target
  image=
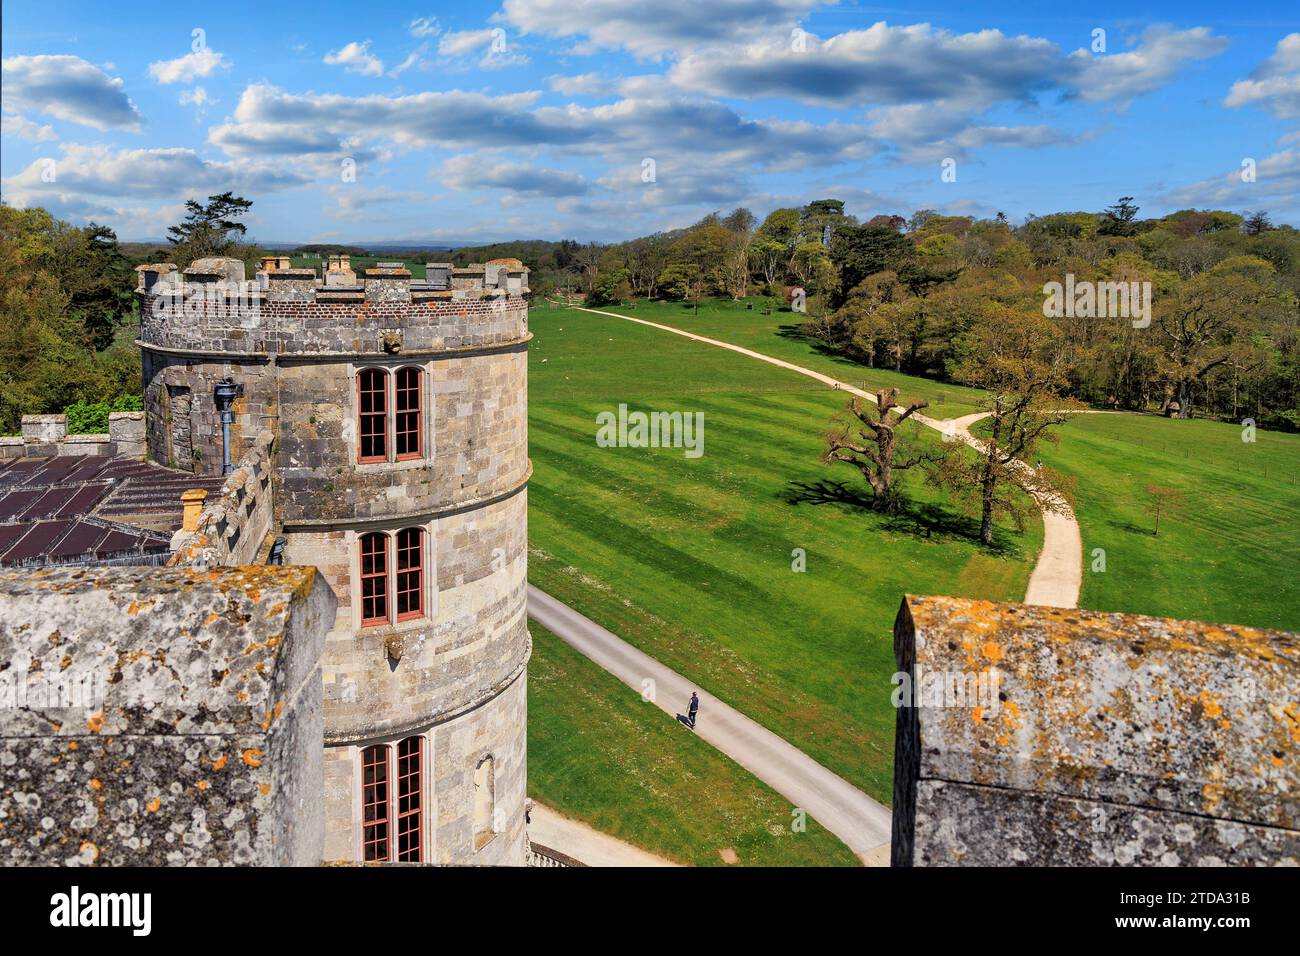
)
(86, 509)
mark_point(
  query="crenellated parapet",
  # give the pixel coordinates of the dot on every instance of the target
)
(210, 307)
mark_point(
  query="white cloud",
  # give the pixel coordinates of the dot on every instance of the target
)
(69, 88)
(197, 96)
(472, 171)
(173, 171)
(270, 122)
(704, 150)
(23, 128)
(650, 29)
(584, 84)
(920, 63)
(1277, 184)
(353, 202)
(356, 58)
(1161, 52)
(927, 89)
(410, 61)
(1285, 59)
(1274, 84)
(464, 41)
(115, 186)
(188, 68)
(880, 65)
(497, 50)
(424, 27)
(1024, 137)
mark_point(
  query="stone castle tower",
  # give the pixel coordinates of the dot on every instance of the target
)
(397, 419)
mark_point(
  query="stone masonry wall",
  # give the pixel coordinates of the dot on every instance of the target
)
(454, 748)
(46, 435)
(162, 716)
(234, 523)
(475, 438)
(316, 324)
(471, 643)
(1108, 739)
(178, 386)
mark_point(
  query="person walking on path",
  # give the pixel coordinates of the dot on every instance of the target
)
(690, 711)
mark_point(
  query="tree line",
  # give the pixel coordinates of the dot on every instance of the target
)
(906, 292)
(68, 315)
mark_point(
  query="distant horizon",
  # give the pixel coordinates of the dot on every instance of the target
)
(417, 245)
(613, 119)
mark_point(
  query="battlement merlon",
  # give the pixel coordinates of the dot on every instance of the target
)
(188, 697)
(1054, 737)
(222, 276)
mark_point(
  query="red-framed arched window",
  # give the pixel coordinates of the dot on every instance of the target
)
(372, 415)
(410, 769)
(374, 579)
(375, 842)
(406, 410)
(410, 573)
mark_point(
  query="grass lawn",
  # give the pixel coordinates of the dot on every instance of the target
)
(628, 769)
(691, 559)
(1222, 560)
(1229, 557)
(777, 335)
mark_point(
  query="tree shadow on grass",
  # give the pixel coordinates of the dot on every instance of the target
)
(926, 521)
(797, 334)
(825, 492)
(1132, 528)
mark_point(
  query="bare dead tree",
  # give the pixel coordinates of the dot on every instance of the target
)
(873, 450)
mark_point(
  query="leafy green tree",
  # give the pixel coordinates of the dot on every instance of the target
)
(860, 251)
(47, 354)
(676, 280)
(1119, 219)
(1012, 359)
(1199, 323)
(610, 288)
(781, 226)
(90, 266)
(209, 229)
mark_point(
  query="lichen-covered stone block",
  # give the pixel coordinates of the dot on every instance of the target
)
(126, 431)
(44, 429)
(1048, 736)
(162, 716)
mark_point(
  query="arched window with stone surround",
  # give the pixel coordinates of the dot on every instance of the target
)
(410, 800)
(374, 579)
(374, 803)
(407, 406)
(392, 802)
(372, 415)
(484, 802)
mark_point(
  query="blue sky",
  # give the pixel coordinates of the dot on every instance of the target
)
(606, 119)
